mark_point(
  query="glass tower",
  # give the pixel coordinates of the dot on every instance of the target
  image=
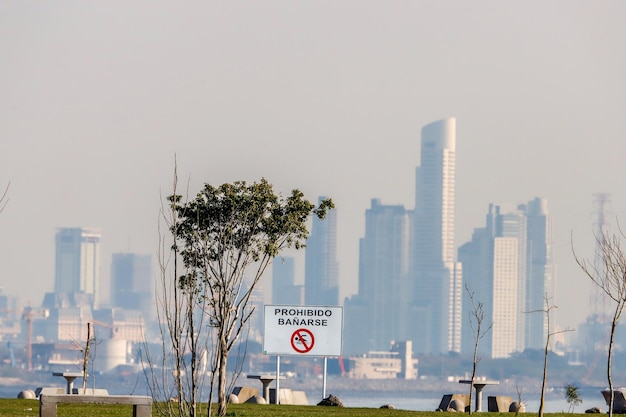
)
(383, 268)
(131, 282)
(321, 279)
(77, 266)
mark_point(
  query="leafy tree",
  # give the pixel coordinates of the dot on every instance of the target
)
(610, 276)
(572, 397)
(224, 233)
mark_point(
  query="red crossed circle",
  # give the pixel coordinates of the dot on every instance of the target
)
(302, 340)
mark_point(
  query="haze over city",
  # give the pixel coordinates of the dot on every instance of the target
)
(97, 100)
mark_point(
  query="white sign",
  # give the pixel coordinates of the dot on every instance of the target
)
(303, 330)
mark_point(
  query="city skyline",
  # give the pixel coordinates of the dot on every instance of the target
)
(328, 98)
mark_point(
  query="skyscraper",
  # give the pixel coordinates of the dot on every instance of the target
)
(132, 282)
(539, 271)
(512, 224)
(475, 256)
(284, 289)
(382, 302)
(493, 263)
(77, 267)
(508, 267)
(436, 276)
(321, 279)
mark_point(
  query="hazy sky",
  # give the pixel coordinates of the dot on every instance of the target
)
(325, 96)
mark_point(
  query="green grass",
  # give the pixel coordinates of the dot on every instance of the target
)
(30, 408)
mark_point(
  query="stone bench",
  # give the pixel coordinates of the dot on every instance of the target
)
(619, 399)
(457, 402)
(499, 404)
(142, 405)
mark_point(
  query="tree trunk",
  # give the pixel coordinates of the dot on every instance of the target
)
(545, 371)
(221, 384)
(608, 367)
(86, 358)
(473, 377)
(193, 351)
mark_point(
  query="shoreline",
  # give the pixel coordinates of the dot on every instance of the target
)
(427, 388)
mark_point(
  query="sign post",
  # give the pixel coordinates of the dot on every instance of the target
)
(277, 399)
(324, 383)
(302, 330)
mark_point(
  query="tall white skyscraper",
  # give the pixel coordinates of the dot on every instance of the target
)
(77, 267)
(436, 277)
(504, 335)
(493, 264)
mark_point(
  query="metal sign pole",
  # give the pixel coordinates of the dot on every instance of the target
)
(277, 399)
(324, 383)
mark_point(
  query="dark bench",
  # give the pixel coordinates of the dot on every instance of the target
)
(142, 405)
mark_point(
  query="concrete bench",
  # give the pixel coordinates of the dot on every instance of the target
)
(142, 405)
(619, 399)
(459, 402)
(499, 404)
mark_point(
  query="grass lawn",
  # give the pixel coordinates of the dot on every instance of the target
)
(30, 408)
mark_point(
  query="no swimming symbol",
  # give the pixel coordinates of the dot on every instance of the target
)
(302, 340)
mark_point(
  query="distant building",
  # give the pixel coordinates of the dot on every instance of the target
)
(256, 302)
(119, 323)
(409, 365)
(59, 338)
(321, 280)
(65, 319)
(69, 324)
(10, 317)
(9, 310)
(379, 312)
(435, 275)
(284, 289)
(396, 363)
(508, 267)
(132, 283)
(539, 271)
(77, 265)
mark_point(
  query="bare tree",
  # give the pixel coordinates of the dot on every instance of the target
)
(175, 377)
(548, 308)
(476, 321)
(609, 274)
